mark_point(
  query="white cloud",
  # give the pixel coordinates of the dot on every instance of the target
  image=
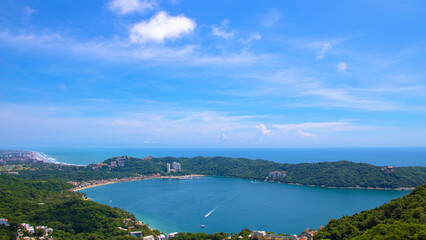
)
(129, 6)
(325, 48)
(271, 17)
(304, 130)
(161, 27)
(221, 31)
(263, 129)
(341, 66)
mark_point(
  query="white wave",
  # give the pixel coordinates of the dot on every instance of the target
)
(208, 214)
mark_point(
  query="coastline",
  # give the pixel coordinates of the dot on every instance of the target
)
(191, 176)
(357, 187)
(106, 182)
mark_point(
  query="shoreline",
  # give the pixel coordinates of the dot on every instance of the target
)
(185, 177)
(189, 177)
(362, 188)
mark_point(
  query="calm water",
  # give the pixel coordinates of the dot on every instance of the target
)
(376, 156)
(181, 205)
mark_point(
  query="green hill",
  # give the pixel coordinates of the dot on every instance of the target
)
(329, 174)
(50, 203)
(402, 218)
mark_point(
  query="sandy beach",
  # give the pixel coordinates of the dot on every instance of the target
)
(185, 177)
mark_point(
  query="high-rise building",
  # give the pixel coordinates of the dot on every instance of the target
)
(168, 167)
(176, 166)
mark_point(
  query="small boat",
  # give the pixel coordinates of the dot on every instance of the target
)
(203, 226)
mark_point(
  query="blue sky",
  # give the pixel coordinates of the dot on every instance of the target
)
(190, 73)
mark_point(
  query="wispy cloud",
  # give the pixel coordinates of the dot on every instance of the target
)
(222, 30)
(271, 17)
(263, 129)
(120, 50)
(321, 47)
(24, 123)
(297, 89)
(324, 49)
(341, 67)
(130, 6)
(252, 37)
(312, 129)
(29, 11)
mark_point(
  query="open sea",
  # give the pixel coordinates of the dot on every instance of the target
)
(229, 204)
(376, 156)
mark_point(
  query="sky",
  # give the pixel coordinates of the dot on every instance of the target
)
(222, 73)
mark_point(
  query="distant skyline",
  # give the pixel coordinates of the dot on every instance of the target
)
(177, 73)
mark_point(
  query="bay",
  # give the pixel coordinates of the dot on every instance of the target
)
(182, 205)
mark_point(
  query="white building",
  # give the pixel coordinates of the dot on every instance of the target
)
(161, 237)
(168, 167)
(170, 235)
(176, 166)
(150, 237)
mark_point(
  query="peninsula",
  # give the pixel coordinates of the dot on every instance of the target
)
(341, 174)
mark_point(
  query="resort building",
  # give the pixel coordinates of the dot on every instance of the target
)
(168, 167)
(161, 237)
(150, 237)
(136, 234)
(257, 234)
(277, 174)
(27, 227)
(170, 235)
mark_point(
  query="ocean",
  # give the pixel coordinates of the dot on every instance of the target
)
(376, 156)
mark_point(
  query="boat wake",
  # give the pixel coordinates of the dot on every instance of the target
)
(208, 214)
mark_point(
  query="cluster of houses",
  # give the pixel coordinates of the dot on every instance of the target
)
(28, 232)
(118, 162)
(277, 174)
(308, 234)
(17, 155)
(150, 237)
(175, 167)
(132, 224)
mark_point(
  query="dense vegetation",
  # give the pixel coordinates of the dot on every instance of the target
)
(402, 218)
(50, 203)
(329, 174)
(244, 234)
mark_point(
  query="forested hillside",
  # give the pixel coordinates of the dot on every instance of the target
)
(328, 174)
(50, 203)
(402, 218)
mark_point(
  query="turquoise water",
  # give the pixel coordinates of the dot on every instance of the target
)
(376, 156)
(181, 205)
